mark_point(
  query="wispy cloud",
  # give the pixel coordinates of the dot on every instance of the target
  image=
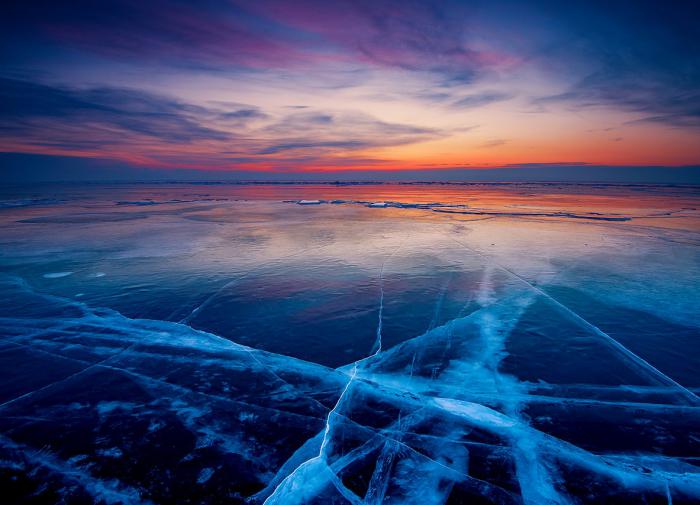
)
(481, 99)
(271, 34)
(28, 107)
(145, 128)
(344, 130)
(493, 143)
(639, 58)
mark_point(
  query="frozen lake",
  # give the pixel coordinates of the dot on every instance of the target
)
(394, 343)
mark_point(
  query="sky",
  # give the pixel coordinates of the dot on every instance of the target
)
(315, 88)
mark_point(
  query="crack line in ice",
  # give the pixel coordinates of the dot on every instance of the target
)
(636, 359)
(151, 380)
(493, 330)
(536, 481)
(252, 352)
(541, 491)
(23, 284)
(342, 489)
(383, 433)
(515, 429)
(230, 283)
(184, 390)
(91, 318)
(36, 349)
(65, 379)
(378, 347)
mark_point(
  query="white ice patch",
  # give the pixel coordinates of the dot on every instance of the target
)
(57, 275)
(112, 452)
(109, 407)
(478, 414)
(205, 475)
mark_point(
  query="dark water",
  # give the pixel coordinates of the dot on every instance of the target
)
(463, 344)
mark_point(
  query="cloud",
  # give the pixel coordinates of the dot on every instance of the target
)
(481, 99)
(658, 101)
(426, 36)
(243, 114)
(199, 34)
(493, 143)
(149, 129)
(30, 107)
(342, 131)
(319, 145)
(215, 34)
(638, 57)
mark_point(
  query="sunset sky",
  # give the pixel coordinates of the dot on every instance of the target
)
(306, 86)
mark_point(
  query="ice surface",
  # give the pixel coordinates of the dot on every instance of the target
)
(245, 349)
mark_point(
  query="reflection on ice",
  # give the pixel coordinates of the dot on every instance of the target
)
(264, 352)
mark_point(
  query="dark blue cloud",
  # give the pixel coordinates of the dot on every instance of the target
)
(642, 57)
(243, 114)
(197, 34)
(481, 99)
(342, 130)
(31, 109)
(322, 145)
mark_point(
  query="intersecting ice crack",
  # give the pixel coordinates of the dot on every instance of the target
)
(105, 362)
(307, 471)
(69, 377)
(535, 479)
(313, 466)
(633, 358)
(534, 474)
(320, 458)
